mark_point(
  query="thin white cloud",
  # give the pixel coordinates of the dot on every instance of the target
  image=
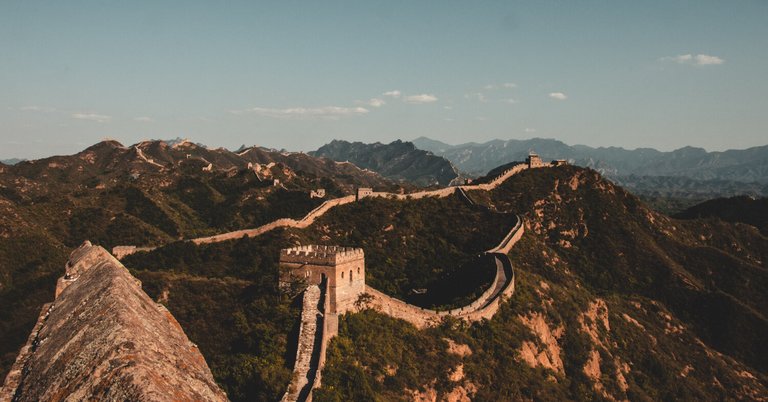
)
(510, 101)
(530, 130)
(422, 98)
(100, 118)
(705, 60)
(558, 96)
(35, 108)
(478, 96)
(505, 85)
(447, 107)
(143, 119)
(373, 102)
(694, 60)
(300, 113)
(394, 93)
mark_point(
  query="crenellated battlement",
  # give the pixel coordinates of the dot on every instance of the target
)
(321, 255)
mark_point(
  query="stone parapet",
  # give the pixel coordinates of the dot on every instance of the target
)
(321, 255)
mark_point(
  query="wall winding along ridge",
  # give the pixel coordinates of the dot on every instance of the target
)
(284, 222)
(485, 306)
(122, 251)
(317, 332)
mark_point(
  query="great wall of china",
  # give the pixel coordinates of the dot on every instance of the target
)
(123, 251)
(484, 307)
(320, 321)
(319, 330)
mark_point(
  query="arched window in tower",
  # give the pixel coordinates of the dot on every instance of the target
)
(358, 270)
(350, 276)
(342, 274)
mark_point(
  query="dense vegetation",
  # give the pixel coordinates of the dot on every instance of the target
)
(665, 288)
(225, 297)
(29, 267)
(408, 245)
(432, 244)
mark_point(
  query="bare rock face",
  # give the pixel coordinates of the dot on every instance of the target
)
(104, 339)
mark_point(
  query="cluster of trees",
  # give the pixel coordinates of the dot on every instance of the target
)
(225, 296)
(432, 244)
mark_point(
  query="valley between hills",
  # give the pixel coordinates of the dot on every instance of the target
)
(612, 299)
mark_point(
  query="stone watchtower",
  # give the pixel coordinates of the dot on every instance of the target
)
(342, 267)
(363, 192)
(533, 160)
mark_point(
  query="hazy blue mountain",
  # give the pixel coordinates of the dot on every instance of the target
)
(398, 160)
(687, 171)
(11, 161)
(747, 165)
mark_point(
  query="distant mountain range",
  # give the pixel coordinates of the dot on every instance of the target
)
(11, 161)
(398, 160)
(685, 172)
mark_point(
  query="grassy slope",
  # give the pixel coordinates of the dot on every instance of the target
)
(178, 275)
(675, 292)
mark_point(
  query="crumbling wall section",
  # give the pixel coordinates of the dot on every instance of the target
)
(103, 338)
(307, 352)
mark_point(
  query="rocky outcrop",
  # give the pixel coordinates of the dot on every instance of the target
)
(104, 339)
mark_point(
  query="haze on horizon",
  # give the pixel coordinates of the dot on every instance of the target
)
(661, 74)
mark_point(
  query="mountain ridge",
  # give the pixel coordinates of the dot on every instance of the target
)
(398, 160)
(741, 166)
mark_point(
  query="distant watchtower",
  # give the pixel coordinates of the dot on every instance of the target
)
(534, 160)
(363, 192)
(342, 267)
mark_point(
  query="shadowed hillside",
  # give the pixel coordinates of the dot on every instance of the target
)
(735, 209)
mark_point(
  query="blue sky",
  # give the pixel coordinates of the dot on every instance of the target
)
(295, 75)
